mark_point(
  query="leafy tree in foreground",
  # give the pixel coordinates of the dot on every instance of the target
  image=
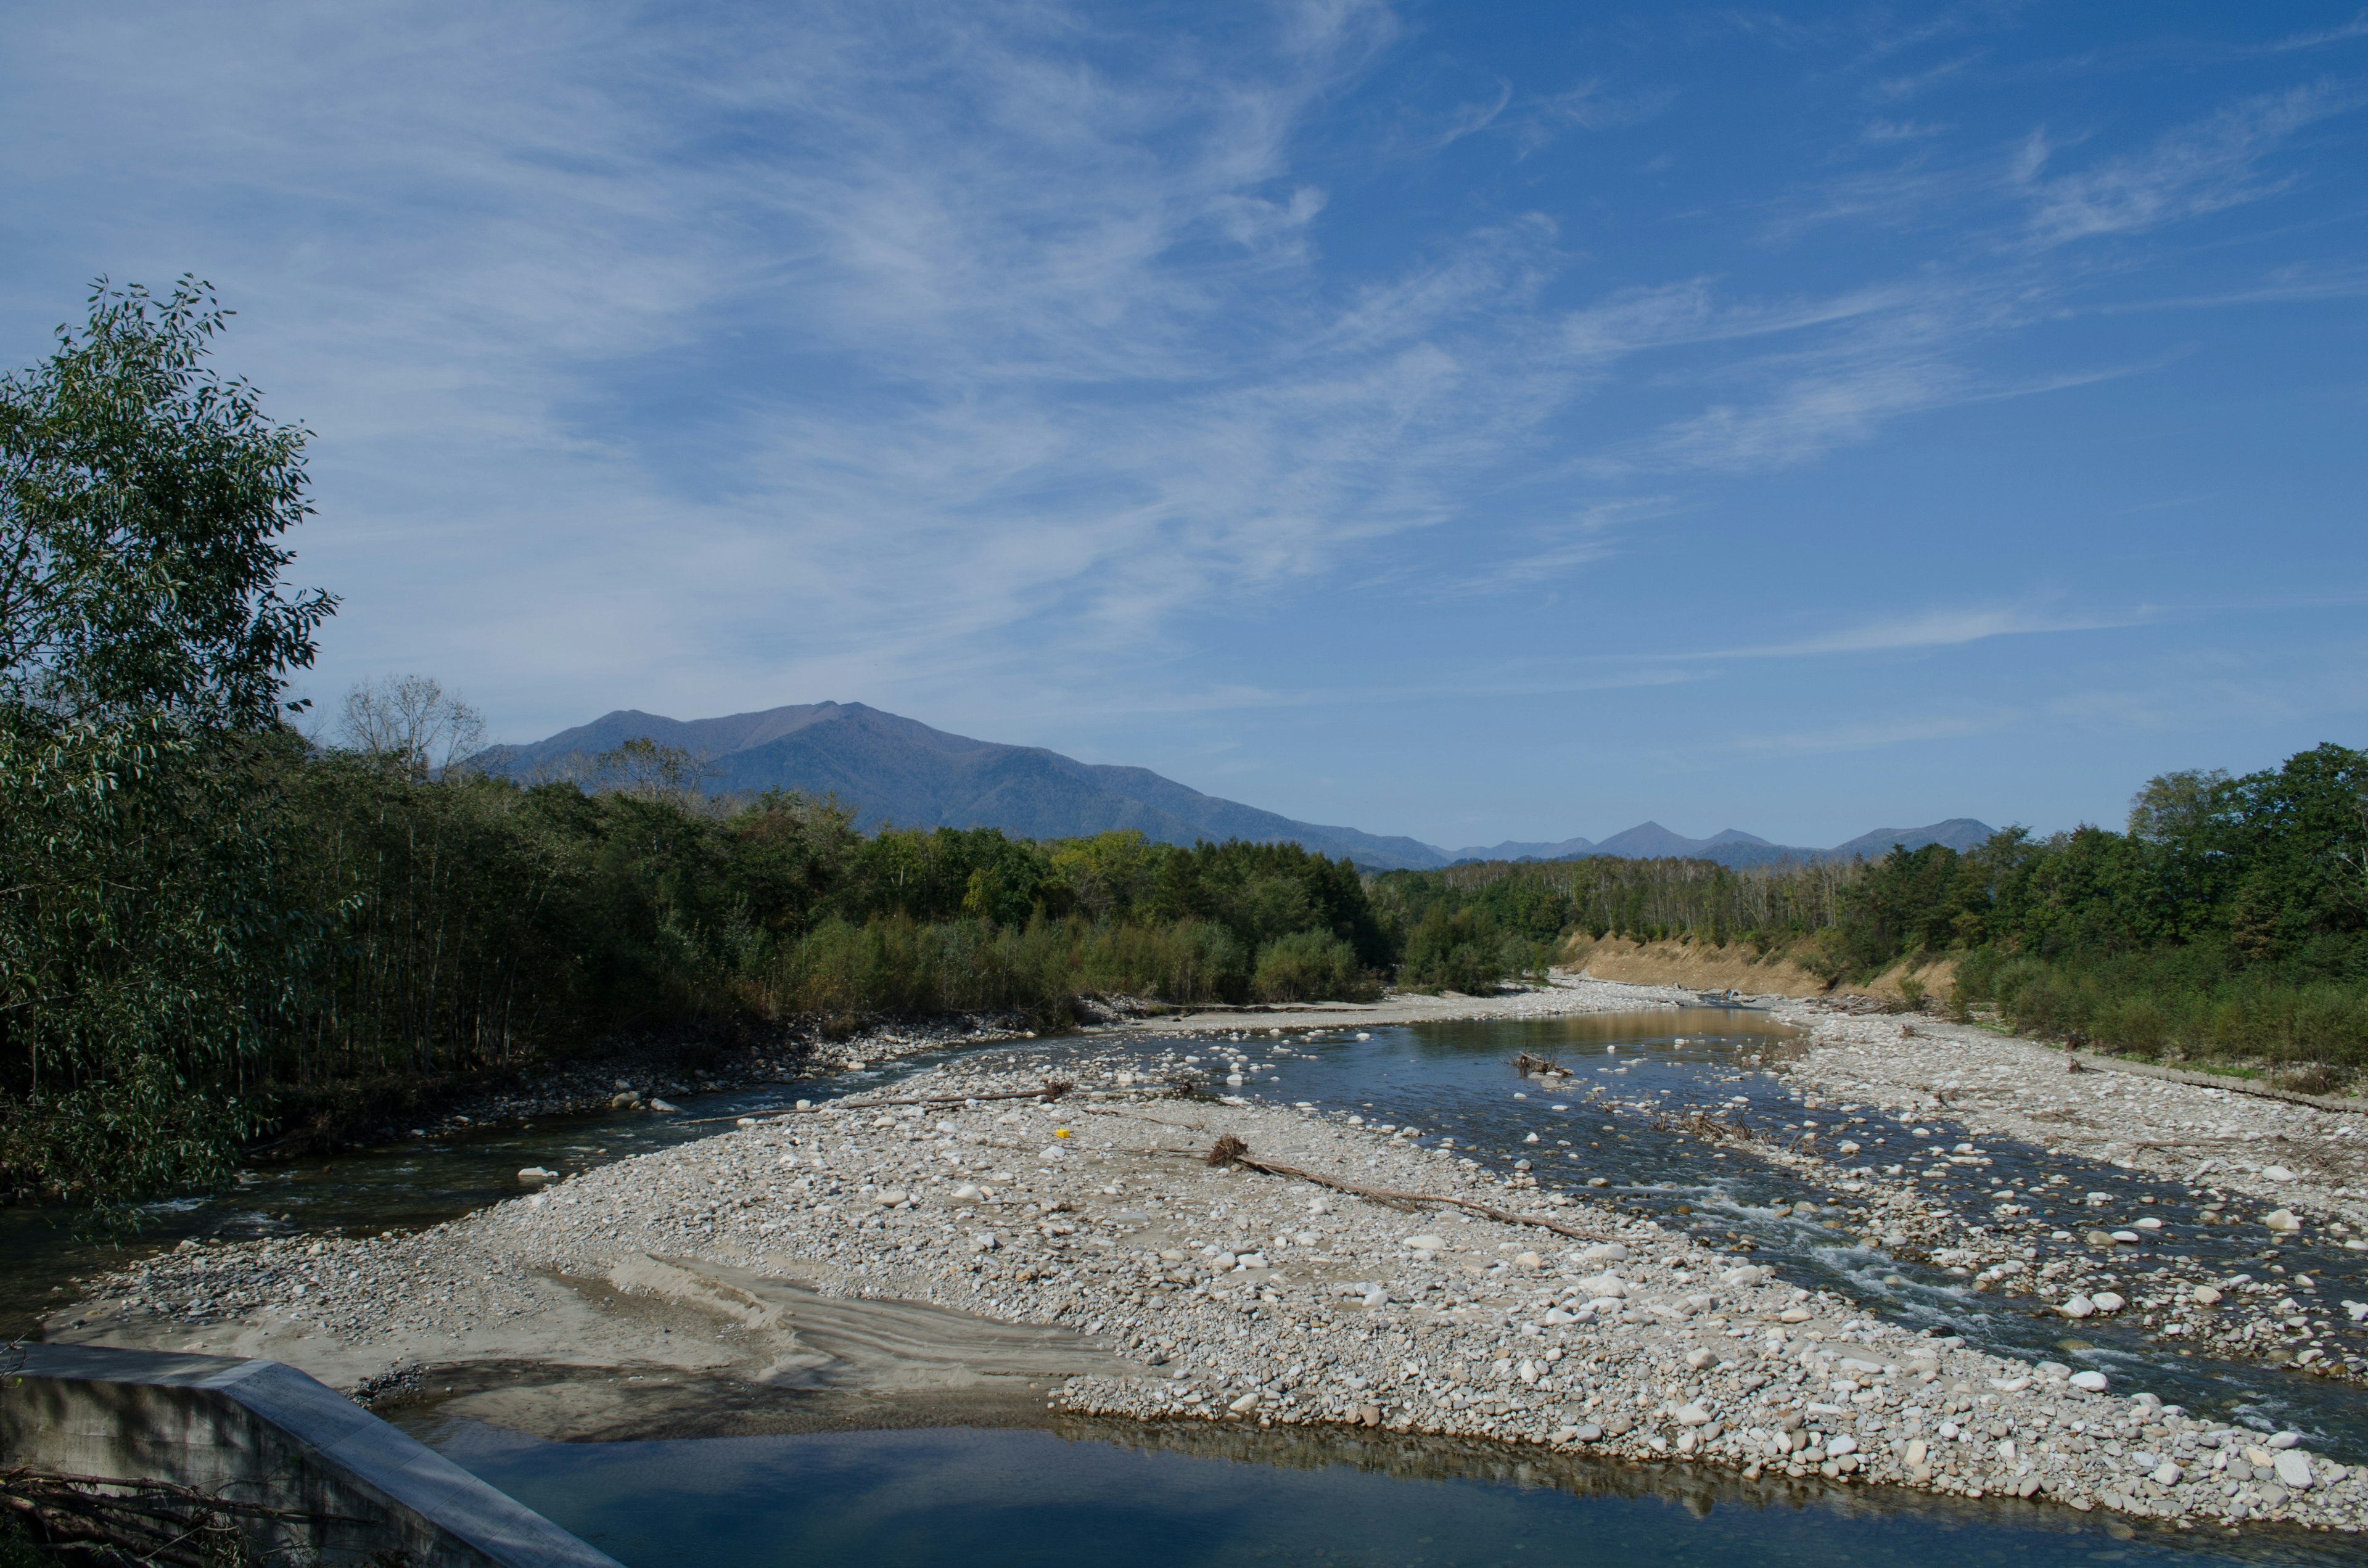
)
(144, 938)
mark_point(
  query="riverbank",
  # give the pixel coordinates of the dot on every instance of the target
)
(1083, 1255)
(2275, 1152)
(634, 1072)
(640, 1074)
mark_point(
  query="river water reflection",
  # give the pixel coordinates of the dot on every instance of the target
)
(1007, 1498)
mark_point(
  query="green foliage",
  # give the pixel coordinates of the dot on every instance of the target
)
(1309, 966)
(469, 923)
(148, 940)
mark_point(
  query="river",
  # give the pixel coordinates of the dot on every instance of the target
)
(1027, 1496)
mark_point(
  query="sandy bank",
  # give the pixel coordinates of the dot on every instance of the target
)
(1565, 995)
(1085, 1254)
(1698, 966)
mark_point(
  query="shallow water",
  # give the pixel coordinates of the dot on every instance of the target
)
(1007, 1498)
(1455, 1080)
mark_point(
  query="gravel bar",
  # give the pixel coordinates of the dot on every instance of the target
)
(1207, 1294)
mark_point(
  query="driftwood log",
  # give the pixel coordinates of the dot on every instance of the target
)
(1231, 1151)
(1052, 1090)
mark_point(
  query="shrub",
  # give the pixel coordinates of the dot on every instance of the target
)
(1309, 966)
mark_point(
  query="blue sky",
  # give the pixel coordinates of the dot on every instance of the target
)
(1473, 422)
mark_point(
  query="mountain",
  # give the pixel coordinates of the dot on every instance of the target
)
(1957, 832)
(1512, 849)
(1650, 840)
(894, 769)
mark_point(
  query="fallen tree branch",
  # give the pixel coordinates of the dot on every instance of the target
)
(1052, 1090)
(1231, 1151)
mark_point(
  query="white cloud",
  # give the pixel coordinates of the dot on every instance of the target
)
(2199, 168)
(1875, 735)
(1942, 627)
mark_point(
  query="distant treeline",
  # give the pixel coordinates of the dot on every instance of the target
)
(473, 921)
(2230, 919)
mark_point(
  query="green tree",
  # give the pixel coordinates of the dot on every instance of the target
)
(146, 935)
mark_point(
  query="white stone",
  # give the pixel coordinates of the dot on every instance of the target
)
(1693, 1415)
(2090, 1382)
(2075, 1305)
(966, 1193)
(1248, 1402)
(534, 1176)
(889, 1198)
(2293, 1469)
(2282, 1219)
(2277, 1173)
(1425, 1243)
(2108, 1301)
(2166, 1474)
(1604, 1287)
(2149, 1224)
(1837, 1447)
(1604, 1251)
(2205, 1296)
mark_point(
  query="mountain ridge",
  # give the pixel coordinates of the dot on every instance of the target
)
(894, 769)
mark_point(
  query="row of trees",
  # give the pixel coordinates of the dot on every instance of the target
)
(2229, 919)
(470, 921)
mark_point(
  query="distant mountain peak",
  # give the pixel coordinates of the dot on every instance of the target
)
(888, 769)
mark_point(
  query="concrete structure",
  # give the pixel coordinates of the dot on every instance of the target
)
(260, 1432)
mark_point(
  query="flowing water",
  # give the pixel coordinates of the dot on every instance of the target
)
(1629, 1072)
(987, 1497)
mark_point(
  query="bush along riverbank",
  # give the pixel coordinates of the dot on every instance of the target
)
(1183, 1288)
(2227, 924)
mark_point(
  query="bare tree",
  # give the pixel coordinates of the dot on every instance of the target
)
(411, 724)
(644, 767)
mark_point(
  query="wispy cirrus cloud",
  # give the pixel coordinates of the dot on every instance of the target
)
(1941, 627)
(1876, 734)
(2199, 168)
(1051, 359)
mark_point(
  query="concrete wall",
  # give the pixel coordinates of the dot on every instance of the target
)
(260, 1432)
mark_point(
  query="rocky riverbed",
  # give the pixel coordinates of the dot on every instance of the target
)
(2189, 1223)
(1086, 1254)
